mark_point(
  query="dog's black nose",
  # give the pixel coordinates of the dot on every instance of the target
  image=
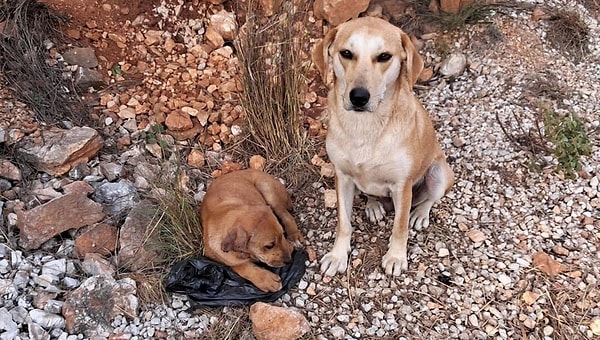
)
(359, 96)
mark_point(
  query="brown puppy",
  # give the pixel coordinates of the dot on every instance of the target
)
(380, 138)
(240, 225)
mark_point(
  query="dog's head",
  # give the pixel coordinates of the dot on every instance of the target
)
(259, 237)
(368, 57)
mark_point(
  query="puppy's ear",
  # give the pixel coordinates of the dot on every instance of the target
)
(320, 54)
(236, 240)
(414, 63)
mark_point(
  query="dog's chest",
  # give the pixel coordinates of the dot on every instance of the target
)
(375, 168)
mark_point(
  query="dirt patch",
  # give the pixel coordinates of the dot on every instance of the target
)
(107, 15)
(89, 20)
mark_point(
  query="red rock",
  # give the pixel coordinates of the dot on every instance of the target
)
(196, 159)
(454, 6)
(78, 187)
(229, 166)
(178, 121)
(41, 223)
(225, 24)
(272, 322)
(426, 74)
(339, 11)
(9, 170)
(100, 238)
(257, 162)
(546, 264)
(269, 7)
(213, 38)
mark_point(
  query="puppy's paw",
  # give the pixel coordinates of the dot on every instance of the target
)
(419, 217)
(334, 262)
(269, 282)
(394, 262)
(374, 210)
(296, 239)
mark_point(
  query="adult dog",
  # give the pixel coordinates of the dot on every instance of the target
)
(239, 215)
(380, 138)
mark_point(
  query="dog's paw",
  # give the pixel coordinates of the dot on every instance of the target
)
(270, 282)
(394, 262)
(374, 210)
(296, 239)
(333, 263)
(419, 217)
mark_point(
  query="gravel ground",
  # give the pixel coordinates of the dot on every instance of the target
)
(471, 272)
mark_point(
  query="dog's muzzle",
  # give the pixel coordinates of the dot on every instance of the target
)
(359, 97)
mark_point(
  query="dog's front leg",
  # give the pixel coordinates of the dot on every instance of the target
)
(337, 259)
(263, 279)
(395, 260)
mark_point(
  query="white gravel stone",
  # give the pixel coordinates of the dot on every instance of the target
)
(504, 279)
(337, 332)
(47, 320)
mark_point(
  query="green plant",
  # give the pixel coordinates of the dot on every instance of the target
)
(152, 136)
(570, 140)
(116, 70)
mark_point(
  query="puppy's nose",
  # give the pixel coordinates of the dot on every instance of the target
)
(359, 96)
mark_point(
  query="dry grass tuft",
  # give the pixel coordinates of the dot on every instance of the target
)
(233, 324)
(592, 5)
(27, 31)
(472, 14)
(421, 18)
(569, 309)
(568, 33)
(175, 232)
(273, 77)
(180, 231)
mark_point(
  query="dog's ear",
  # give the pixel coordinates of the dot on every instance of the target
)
(320, 54)
(236, 240)
(414, 63)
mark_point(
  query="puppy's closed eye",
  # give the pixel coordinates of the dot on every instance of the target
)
(270, 245)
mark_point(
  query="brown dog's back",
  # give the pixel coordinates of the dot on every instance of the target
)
(243, 187)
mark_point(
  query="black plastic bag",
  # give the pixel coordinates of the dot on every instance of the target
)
(208, 283)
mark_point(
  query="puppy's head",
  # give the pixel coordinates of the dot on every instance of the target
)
(369, 57)
(259, 237)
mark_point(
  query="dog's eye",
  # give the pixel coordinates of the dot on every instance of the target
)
(270, 245)
(383, 57)
(346, 54)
